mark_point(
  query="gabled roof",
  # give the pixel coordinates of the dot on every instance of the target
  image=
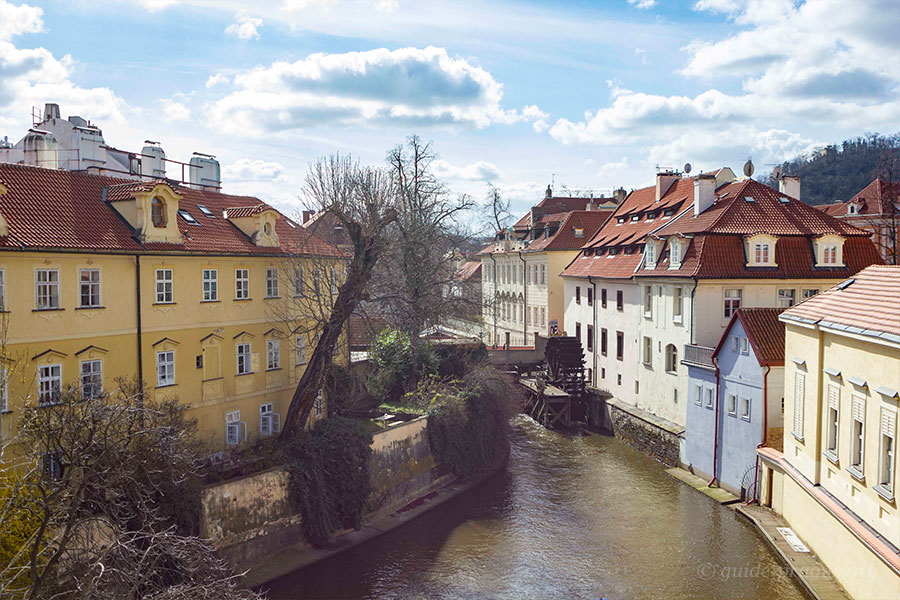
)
(562, 204)
(65, 210)
(469, 270)
(868, 304)
(246, 211)
(763, 329)
(873, 200)
(565, 238)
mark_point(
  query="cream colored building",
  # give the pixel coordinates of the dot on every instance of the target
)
(835, 483)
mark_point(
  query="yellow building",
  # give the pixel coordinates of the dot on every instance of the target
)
(194, 291)
(836, 483)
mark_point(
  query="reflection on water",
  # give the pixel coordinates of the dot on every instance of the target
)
(569, 518)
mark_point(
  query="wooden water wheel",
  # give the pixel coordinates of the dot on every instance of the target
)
(565, 364)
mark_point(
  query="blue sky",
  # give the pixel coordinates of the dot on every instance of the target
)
(591, 94)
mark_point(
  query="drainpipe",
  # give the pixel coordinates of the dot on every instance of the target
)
(716, 430)
(594, 318)
(140, 361)
(494, 299)
(524, 301)
(693, 289)
(765, 430)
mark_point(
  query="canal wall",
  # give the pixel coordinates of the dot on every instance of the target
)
(248, 518)
(638, 428)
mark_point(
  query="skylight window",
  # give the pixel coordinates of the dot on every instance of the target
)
(206, 211)
(784, 200)
(620, 220)
(188, 217)
(668, 212)
(845, 284)
(635, 218)
(749, 199)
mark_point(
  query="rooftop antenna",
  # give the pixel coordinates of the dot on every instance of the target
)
(687, 168)
(748, 168)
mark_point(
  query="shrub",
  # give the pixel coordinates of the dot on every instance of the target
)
(329, 477)
(398, 364)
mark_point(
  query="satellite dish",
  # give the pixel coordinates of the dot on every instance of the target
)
(777, 173)
(748, 168)
(687, 168)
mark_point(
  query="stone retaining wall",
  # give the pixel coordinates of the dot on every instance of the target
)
(643, 431)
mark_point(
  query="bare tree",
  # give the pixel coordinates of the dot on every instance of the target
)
(418, 269)
(105, 491)
(362, 200)
(886, 220)
(497, 209)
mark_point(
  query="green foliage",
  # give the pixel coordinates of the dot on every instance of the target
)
(20, 508)
(398, 363)
(468, 421)
(347, 391)
(454, 360)
(329, 477)
(837, 172)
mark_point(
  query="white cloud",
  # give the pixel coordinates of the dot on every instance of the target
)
(174, 110)
(245, 27)
(409, 86)
(18, 20)
(477, 171)
(721, 6)
(388, 6)
(217, 79)
(611, 169)
(249, 169)
(642, 4)
(155, 5)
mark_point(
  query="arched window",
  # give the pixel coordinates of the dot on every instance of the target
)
(158, 212)
(671, 358)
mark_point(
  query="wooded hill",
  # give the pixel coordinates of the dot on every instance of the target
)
(837, 172)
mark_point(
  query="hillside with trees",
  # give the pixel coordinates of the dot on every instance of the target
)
(838, 171)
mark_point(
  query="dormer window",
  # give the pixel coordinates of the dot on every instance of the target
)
(635, 218)
(620, 220)
(760, 250)
(674, 253)
(650, 254)
(852, 210)
(158, 212)
(829, 251)
(579, 233)
(651, 216)
(267, 229)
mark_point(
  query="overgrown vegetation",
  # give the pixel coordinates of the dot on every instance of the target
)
(395, 358)
(468, 419)
(329, 477)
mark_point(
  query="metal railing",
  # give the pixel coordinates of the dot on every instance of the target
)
(698, 355)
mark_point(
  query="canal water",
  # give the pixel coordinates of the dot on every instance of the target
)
(585, 517)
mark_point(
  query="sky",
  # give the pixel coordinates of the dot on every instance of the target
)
(586, 95)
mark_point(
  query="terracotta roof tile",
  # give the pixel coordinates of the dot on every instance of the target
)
(766, 333)
(49, 208)
(469, 270)
(870, 304)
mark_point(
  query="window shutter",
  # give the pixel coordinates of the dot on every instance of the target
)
(888, 422)
(799, 393)
(265, 424)
(276, 422)
(231, 434)
(834, 397)
(859, 408)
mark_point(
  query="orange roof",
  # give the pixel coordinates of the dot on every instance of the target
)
(764, 330)
(65, 210)
(868, 304)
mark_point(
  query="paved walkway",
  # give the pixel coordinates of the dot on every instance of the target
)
(812, 574)
(701, 485)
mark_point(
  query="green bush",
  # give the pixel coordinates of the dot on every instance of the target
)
(467, 425)
(454, 360)
(329, 477)
(398, 364)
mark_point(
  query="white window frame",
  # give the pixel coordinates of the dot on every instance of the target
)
(762, 253)
(242, 284)
(745, 408)
(46, 289)
(210, 278)
(298, 282)
(858, 447)
(829, 254)
(271, 282)
(300, 350)
(731, 404)
(648, 301)
(334, 282)
(808, 293)
(273, 354)
(91, 378)
(887, 451)
(165, 286)
(235, 429)
(785, 299)
(671, 358)
(243, 359)
(647, 354)
(745, 345)
(49, 384)
(833, 420)
(799, 400)
(649, 254)
(709, 397)
(269, 421)
(677, 304)
(674, 253)
(91, 286)
(165, 368)
(731, 303)
(698, 399)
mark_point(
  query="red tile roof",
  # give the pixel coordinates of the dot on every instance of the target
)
(713, 240)
(764, 330)
(246, 211)
(56, 209)
(469, 271)
(869, 305)
(561, 204)
(588, 221)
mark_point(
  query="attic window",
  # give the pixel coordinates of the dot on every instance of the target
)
(749, 199)
(158, 212)
(613, 251)
(579, 233)
(188, 217)
(651, 216)
(635, 218)
(784, 200)
(620, 220)
(206, 211)
(668, 212)
(851, 210)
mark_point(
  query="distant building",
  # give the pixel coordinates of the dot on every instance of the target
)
(735, 400)
(522, 292)
(676, 260)
(877, 209)
(836, 481)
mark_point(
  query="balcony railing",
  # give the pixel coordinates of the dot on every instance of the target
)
(699, 356)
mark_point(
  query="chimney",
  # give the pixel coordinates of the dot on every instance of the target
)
(549, 193)
(536, 213)
(789, 185)
(204, 172)
(619, 195)
(51, 111)
(704, 192)
(307, 215)
(589, 206)
(664, 180)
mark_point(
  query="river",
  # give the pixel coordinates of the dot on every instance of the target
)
(586, 517)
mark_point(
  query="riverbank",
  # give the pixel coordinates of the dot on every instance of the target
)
(301, 555)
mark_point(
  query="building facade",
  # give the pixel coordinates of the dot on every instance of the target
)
(693, 250)
(835, 482)
(735, 400)
(191, 290)
(522, 292)
(875, 208)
